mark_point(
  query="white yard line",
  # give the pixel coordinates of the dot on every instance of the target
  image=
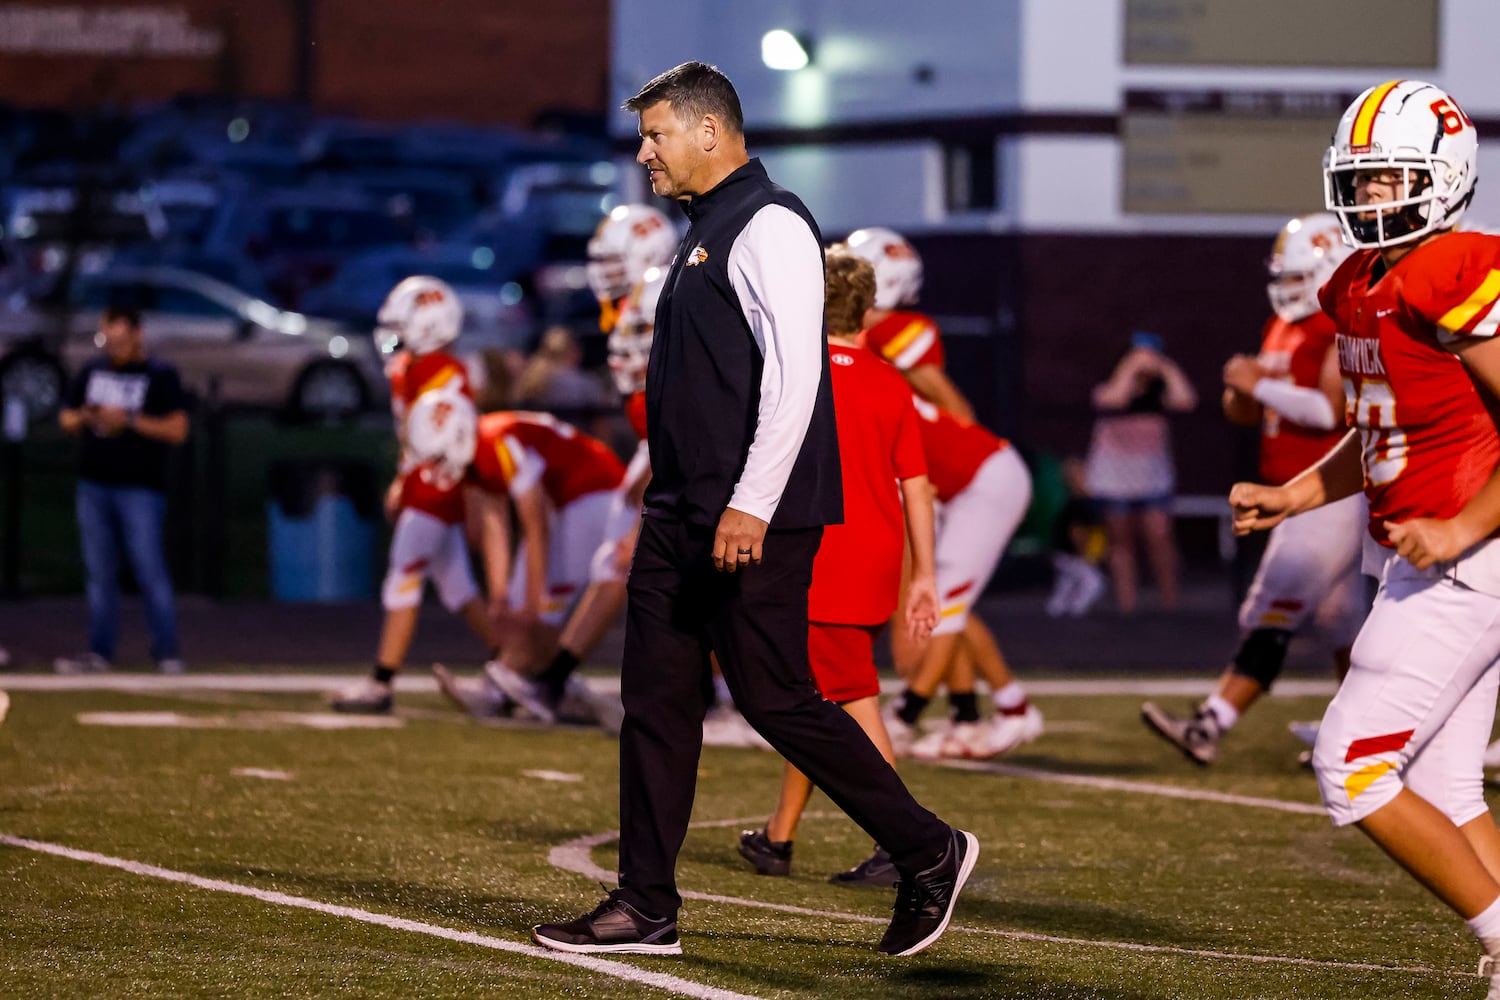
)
(575, 856)
(419, 681)
(1138, 787)
(607, 967)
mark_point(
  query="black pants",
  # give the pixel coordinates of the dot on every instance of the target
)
(679, 608)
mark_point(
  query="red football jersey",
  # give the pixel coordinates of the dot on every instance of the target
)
(857, 573)
(635, 412)
(1429, 441)
(517, 450)
(410, 376)
(1294, 352)
(906, 340)
(413, 374)
(955, 449)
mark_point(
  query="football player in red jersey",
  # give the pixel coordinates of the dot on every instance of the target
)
(420, 317)
(857, 573)
(913, 343)
(561, 484)
(907, 339)
(983, 489)
(1310, 570)
(1417, 306)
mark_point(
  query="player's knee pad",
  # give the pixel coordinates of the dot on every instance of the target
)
(402, 588)
(1261, 655)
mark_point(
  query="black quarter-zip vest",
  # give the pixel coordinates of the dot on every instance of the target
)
(703, 380)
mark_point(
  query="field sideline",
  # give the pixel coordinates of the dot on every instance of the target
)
(207, 835)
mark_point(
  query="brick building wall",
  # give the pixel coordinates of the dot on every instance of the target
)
(480, 61)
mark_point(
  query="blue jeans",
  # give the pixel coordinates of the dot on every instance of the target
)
(111, 518)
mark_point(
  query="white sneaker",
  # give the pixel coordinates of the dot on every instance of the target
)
(88, 663)
(1307, 732)
(367, 696)
(581, 703)
(903, 736)
(4, 706)
(171, 665)
(957, 741)
(474, 695)
(1006, 732)
(531, 695)
(1088, 589)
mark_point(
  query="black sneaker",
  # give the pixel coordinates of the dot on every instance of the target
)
(877, 869)
(1196, 737)
(924, 901)
(770, 857)
(613, 926)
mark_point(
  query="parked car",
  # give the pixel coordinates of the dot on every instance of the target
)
(43, 226)
(299, 238)
(234, 347)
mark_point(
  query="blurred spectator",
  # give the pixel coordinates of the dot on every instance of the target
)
(129, 411)
(555, 380)
(1129, 470)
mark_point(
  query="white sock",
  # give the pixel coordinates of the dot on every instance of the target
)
(721, 690)
(1486, 927)
(1226, 714)
(1010, 697)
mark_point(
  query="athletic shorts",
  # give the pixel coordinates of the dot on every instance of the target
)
(843, 660)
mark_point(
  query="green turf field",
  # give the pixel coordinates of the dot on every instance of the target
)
(427, 850)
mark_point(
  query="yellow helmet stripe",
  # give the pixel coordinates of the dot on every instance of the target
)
(1364, 120)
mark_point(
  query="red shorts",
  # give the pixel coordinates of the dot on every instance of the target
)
(843, 660)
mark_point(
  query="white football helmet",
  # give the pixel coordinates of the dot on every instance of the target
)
(421, 314)
(629, 240)
(1418, 131)
(898, 266)
(630, 340)
(1307, 251)
(442, 433)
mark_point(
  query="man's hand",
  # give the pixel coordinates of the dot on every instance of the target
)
(737, 540)
(1423, 541)
(1242, 371)
(392, 501)
(107, 421)
(922, 611)
(1259, 508)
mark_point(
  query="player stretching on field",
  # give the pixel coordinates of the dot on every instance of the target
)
(1311, 565)
(1399, 752)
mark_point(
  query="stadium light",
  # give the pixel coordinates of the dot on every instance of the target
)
(780, 49)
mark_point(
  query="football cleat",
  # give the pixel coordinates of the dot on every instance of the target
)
(1197, 737)
(1307, 732)
(475, 696)
(531, 695)
(770, 857)
(1008, 730)
(367, 696)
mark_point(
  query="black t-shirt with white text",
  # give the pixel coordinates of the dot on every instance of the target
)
(149, 387)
